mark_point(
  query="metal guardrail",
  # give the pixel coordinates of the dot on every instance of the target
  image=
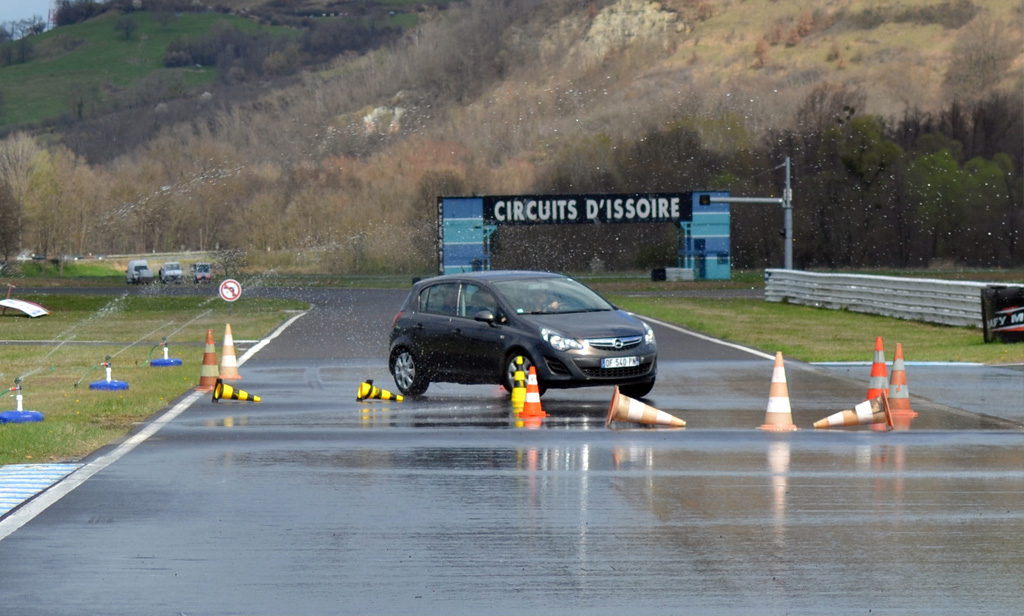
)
(949, 302)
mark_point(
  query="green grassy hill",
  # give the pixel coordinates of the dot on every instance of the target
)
(89, 63)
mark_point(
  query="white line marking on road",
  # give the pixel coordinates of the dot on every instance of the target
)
(707, 338)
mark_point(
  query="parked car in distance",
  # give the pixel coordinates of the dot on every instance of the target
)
(470, 327)
(138, 272)
(200, 272)
(171, 272)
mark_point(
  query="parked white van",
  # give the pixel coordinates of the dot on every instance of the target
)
(138, 272)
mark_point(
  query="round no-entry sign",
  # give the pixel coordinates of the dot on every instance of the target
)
(230, 290)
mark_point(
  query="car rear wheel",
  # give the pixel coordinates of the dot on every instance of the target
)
(409, 378)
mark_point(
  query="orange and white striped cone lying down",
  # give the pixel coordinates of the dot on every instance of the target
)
(779, 415)
(869, 412)
(624, 408)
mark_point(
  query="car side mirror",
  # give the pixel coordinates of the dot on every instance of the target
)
(484, 315)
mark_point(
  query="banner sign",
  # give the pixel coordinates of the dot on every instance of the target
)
(604, 208)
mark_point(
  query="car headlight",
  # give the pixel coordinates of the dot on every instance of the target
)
(648, 333)
(560, 342)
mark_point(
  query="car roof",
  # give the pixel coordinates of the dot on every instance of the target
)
(490, 276)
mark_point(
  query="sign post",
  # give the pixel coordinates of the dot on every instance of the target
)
(230, 290)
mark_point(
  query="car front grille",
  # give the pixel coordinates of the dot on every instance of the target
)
(617, 373)
(615, 344)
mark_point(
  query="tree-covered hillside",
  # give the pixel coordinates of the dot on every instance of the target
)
(903, 130)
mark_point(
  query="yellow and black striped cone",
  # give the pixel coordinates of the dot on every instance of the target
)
(226, 392)
(369, 391)
(519, 386)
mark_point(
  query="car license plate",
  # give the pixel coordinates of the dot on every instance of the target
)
(620, 362)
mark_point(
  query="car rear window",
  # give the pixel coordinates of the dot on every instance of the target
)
(440, 298)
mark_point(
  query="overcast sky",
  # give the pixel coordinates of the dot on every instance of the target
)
(16, 10)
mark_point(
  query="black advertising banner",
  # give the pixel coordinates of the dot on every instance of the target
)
(562, 209)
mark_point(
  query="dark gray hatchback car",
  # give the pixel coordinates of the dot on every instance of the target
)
(469, 328)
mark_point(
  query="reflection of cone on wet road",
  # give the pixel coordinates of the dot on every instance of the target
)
(208, 373)
(624, 408)
(519, 386)
(899, 393)
(869, 412)
(369, 391)
(879, 381)
(228, 361)
(223, 391)
(531, 405)
(779, 416)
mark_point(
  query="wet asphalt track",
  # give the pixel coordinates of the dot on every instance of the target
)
(313, 503)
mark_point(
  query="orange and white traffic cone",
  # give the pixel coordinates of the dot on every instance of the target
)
(779, 415)
(228, 362)
(899, 393)
(879, 380)
(624, 408)
(872, 412)
(208, 373)
(531, 406)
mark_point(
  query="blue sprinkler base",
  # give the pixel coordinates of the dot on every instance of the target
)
(164, 363)
(20, 416)
(109, 385)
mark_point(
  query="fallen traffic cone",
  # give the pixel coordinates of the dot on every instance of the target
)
(779, 415)
(228, 362)
(222, 390)
(208, 372)
(869, 412)
(531, 405)
(899, 393)
(879, 380)
(369, 391)
(624, 408)
(519, 386)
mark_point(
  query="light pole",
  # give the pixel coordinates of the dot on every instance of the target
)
(786, 201)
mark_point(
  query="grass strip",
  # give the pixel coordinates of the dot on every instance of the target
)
(56, 357)
(820, 335)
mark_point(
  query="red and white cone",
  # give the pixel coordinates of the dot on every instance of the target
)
(228, 361)
(208, 373)
(899, 393)
(879, 380)
(531, 406)
(779, 416)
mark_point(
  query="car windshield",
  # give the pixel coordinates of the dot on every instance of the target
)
(550, 296)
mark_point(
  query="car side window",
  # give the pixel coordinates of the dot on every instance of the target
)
(474, 299)
(440, 298)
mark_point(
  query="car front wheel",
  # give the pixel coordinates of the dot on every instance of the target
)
(509, 377)
(637, 391)
(409, 378)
